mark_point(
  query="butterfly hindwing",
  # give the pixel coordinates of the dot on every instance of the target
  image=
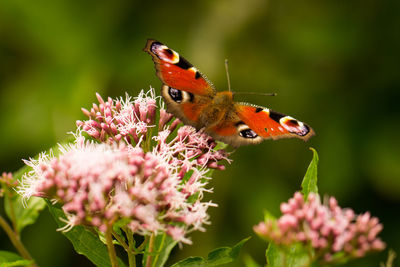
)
(250, 124)
(268, 124)
(184, 105)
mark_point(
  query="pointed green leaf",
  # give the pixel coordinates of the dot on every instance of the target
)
(309, 183)
(163, 244)
(216, 257)
(8, 259)
(84, 241)
(24, 216)
(191, 262)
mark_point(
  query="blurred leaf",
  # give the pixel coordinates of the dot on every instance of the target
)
(24, 215)
(268, 216)
(8, 258)
(249, 261)
(309, 184)
(216, 257)
(163, 244)
(84, 241)
(220, 145)
(294, 255)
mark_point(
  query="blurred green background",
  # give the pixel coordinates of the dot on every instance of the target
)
(334, 65)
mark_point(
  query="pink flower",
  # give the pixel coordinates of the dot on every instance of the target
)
(328, 229)
(118, 175)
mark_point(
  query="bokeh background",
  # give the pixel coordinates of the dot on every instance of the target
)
(334, 65)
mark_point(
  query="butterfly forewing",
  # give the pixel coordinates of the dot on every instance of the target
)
(176, 72)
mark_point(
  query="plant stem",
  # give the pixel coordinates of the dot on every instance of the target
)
(16, 240)
(131, 253)
(12, 212)
(141, 247)
(131, 245)
(150, 251)
(110, 247)
(121, 241)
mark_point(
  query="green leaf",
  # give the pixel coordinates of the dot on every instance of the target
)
(249, 261)
(309, 184)
(294, 255)
(8, 258)
(220, 145)
(84, 241)
(268, 216)
(163, 245)
(274, 255)
(24, 216)
(216, 257)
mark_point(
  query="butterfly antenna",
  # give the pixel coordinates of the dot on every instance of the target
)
(255, 93)
(227, 74)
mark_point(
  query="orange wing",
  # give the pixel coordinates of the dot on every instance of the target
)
(176, 72)
(250, 124)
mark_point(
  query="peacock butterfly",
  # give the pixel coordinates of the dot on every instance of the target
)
(193, 99)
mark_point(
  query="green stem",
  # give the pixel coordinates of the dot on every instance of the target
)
(16, 240)
(150, 251)
(131, 254)
(121, 241)
(141, 247)
(129, 236)
(12, 212)
(159, 251)
(110, 247)
(131, 245)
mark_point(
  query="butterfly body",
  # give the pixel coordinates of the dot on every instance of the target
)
(194, 100)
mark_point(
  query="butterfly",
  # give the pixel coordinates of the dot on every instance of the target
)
(192, 98)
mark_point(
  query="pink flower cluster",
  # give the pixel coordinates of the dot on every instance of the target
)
(129, 120)
(133, 121)
(330, 230)
(7, 182)
(152, 181)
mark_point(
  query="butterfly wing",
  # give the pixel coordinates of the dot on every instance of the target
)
(185, 90)
(250, 124)
(190, 97)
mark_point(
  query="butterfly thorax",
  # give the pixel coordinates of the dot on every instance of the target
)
(215, 111)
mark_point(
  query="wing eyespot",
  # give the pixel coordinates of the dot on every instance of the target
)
(245, 131)
(294, 126)
(248, 133)
(175, 94)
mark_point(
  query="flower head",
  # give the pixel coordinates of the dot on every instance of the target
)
(153, 181)
(330, 230)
